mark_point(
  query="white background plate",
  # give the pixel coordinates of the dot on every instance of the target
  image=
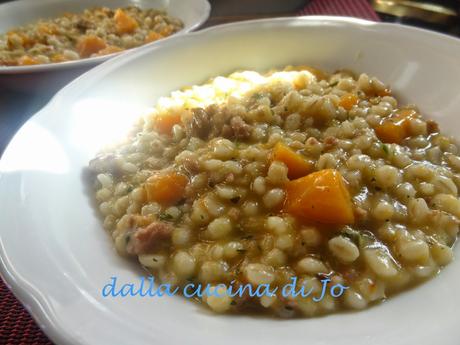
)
(57, 258)
(50, 77)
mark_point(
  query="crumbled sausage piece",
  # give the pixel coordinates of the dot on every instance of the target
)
(84, 24)
(241, 130)
(229, 178)
(191, 165)
(220, 117)
(201, 124)
(330, 142)
(227, 132)
(234, 213)
(217, 121)
(144, 240)
(432, 126)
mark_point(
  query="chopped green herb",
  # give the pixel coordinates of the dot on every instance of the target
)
(165, 216)
(241, 251)
(232, 303)
(385, 149)
(257, 96)
(353, 235)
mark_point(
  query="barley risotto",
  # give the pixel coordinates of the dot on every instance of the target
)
(95, 32)
(258, 178)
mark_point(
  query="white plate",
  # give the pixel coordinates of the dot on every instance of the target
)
(57, 258)
(193, 13)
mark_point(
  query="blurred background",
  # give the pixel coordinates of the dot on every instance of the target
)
(439, 15)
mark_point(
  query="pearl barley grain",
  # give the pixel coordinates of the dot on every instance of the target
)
(259, 274)
(219, 228)
(184, 264)
(218, 299)
(343, 249)
(273, 198)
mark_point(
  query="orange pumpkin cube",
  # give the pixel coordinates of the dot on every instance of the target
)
(165, 188)
(125, 24)
(348, 100)
(320, 197)
(27, 60)
(395, 128)
(153, 36)
(297, 165)
(163, 123)
(89, 45)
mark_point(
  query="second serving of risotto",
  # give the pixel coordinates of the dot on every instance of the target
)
(94, 32)
(259, 178)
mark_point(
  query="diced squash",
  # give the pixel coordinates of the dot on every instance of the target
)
(47, 29)
(27, 60)
(58, 58)
(405, 114)
(297, 165)
(395, 128)
(348, 100)
(165, 188)
(320, 197)
(15, 38)
(89, 45)
(167, 30)
(385, 92)
(125, 24)
(164, 123)
(320, 75)
(109, 50)
(390, 132)
(153, 36)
